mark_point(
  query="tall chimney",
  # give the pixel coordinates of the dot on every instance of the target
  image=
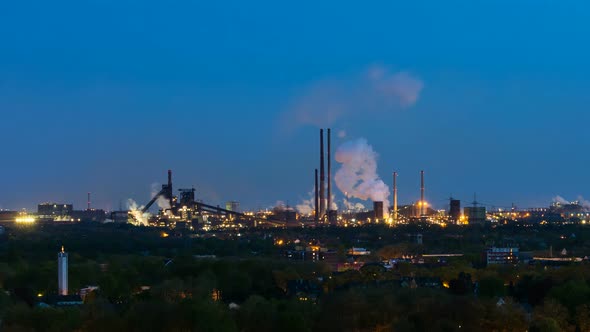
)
(395, 196)
(170, 187)
(422, 193)
(62, 272)
(329, 205)
(317, 212)
(322, 176)
(88, 201)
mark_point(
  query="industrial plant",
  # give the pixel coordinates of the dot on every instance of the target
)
(182, 210)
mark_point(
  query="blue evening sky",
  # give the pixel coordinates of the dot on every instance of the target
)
(105, 96)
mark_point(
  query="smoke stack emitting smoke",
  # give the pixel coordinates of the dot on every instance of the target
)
(357, 176)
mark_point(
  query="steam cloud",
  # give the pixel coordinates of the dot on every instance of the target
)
(560, 200)
(357, 176)
(352, 206)
(135, 210)
(162, 202)
(376, 89)
(333, 205)
(583, 202)
(306, 207)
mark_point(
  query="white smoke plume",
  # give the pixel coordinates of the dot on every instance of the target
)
(584, 203)
(357, 176)
(136, 211)
(333, 204)
(581, 201)
(376, 89)
(162, 202)
(560, 200)
(306, 207)
(352, 206)
(279, 206)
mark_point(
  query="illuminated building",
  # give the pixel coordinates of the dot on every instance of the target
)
(96, 215)
(313, 254)
(120, 216)
(62, 272)
(54, 210)
(475, 214)
(496, 256)
(358, 252)
(66, 212)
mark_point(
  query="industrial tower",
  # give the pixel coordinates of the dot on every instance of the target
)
(62, 272)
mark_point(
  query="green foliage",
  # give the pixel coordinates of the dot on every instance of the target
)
(572, 294)
(551, 316)
(5, 303)
(547, 324)
(491, 287)
(583, 317)
(21, 317)
(249, 272)
(462, 285)
(256, 314)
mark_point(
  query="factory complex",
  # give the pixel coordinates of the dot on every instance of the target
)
(182, 210)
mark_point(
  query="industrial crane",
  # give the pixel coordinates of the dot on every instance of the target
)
(187, 198)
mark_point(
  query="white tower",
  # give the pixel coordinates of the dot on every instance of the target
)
(62, 272)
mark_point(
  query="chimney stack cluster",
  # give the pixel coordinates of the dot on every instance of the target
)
(323, 190)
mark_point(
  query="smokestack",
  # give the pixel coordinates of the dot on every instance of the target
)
(88, 201)
(322, 176)
(422, 193)
(317, 212)
(329, 205)
(170, 187)
(395, 196)
(378, 210)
